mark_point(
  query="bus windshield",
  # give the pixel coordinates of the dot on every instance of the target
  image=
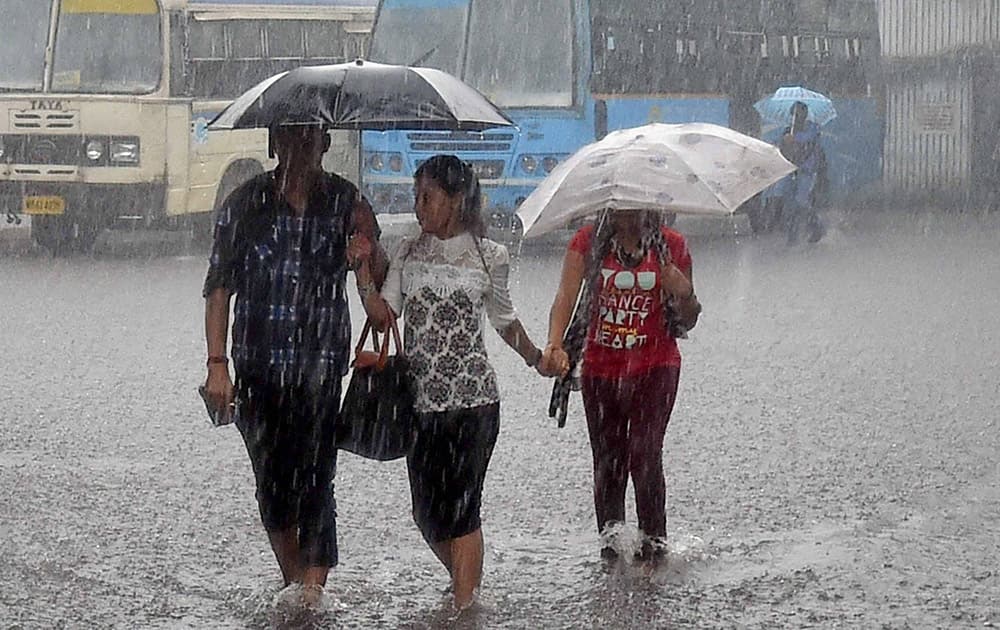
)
(523, 62)
(24, 30)
(431, 37)
(516, 63)
(107, 46)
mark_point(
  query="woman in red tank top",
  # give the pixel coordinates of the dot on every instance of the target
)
(639, 292)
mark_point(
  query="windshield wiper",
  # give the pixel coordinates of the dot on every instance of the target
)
(424, 57)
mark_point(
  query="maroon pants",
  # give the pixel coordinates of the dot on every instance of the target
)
(627, 418)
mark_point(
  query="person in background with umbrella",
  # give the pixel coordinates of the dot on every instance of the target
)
(283, 244)
(443, 280)
(638, 291)
(800, 144)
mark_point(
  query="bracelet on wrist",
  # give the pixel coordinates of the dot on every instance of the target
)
(217, 360)
(366, 289)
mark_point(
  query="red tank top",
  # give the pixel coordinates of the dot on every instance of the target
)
(628, 334)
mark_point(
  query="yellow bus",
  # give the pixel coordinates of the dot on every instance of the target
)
(104, 104)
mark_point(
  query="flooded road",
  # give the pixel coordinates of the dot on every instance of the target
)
(832, 460)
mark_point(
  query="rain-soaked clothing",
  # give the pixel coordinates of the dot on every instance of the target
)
(804, 149)
(291, 322)
(443, 287)
(290, 343)
(288, 432)
(627, 419)
(631, 369)
(626, 334)
(447, 468)
(797, 189)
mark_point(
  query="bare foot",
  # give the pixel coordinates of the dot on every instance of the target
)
(312, 595)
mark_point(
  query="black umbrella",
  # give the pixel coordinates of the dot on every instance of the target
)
(362, 95)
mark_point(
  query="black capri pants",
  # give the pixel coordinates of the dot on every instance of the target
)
(447, 467)
(288, 432)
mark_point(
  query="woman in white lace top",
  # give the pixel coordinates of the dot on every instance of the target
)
(441, 282)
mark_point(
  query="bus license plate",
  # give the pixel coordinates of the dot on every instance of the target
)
(44, 205)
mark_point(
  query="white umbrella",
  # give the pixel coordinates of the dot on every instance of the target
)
(693, 168)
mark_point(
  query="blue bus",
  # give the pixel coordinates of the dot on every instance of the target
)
(569, 71)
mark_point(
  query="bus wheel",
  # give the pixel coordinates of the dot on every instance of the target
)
(64, 235)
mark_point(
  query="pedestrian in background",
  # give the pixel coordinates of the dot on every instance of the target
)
(800, 144)
(281, 246)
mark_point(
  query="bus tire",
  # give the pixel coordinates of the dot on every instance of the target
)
(235, 176)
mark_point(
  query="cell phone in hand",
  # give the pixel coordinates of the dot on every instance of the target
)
(218, 417)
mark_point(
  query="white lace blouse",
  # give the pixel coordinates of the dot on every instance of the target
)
(441, 288)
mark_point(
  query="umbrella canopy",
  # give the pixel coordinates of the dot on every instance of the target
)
(362, 95)
(692, 168)
(777, 108)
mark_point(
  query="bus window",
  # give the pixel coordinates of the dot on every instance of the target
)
(284, 39)
(208, 40)
(425, 36)
(355, 45)
(23, 34)
(245, 39)
(106, 47)
(528, 63)
(324, 41)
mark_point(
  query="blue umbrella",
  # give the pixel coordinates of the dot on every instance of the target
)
(777, 108)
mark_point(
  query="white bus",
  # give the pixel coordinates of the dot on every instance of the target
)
(104, 104)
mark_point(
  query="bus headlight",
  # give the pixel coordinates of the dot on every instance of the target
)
(550, 163)
(95, 150)
(529, 164)
(375, 162)
(395, 162)
(124, 150)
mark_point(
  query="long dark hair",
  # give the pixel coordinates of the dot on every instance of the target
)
(455, 176)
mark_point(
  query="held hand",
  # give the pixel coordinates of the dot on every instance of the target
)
(546, 368)
(220, 391)
(555, 362)
(359, 250)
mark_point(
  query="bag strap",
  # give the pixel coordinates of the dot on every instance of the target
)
(383, 351)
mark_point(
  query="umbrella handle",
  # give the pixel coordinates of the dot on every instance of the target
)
(559, 402)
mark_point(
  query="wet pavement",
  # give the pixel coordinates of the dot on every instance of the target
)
(832, 460)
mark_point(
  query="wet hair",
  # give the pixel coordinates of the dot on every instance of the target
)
(273, 130)
(457, 177)
(651, 238)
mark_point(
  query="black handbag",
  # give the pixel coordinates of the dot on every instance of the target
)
(376, 416)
